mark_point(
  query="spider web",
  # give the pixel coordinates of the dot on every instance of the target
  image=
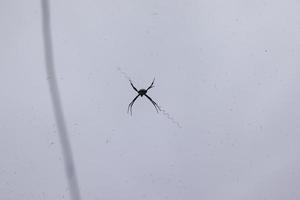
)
(124, 73)
(164, 112)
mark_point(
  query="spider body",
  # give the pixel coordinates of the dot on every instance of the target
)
(142, 92)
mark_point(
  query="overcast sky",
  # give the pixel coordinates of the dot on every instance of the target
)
(227, 71)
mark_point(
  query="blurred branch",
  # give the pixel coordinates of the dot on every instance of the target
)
(57, 106)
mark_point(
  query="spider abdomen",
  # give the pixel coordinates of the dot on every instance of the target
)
(142, 92)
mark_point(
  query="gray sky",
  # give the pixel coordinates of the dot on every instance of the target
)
(228, 72)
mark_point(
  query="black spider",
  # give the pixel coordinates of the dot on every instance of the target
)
(141, 93)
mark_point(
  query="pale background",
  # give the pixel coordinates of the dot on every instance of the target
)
(227, 71)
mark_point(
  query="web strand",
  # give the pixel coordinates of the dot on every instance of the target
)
(124, 74)
(166, 114)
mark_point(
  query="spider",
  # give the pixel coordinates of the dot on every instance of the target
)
(141, 93)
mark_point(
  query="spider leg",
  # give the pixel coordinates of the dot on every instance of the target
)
(133, 86)
(151, 86)
(131, 104)
(154, 103)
